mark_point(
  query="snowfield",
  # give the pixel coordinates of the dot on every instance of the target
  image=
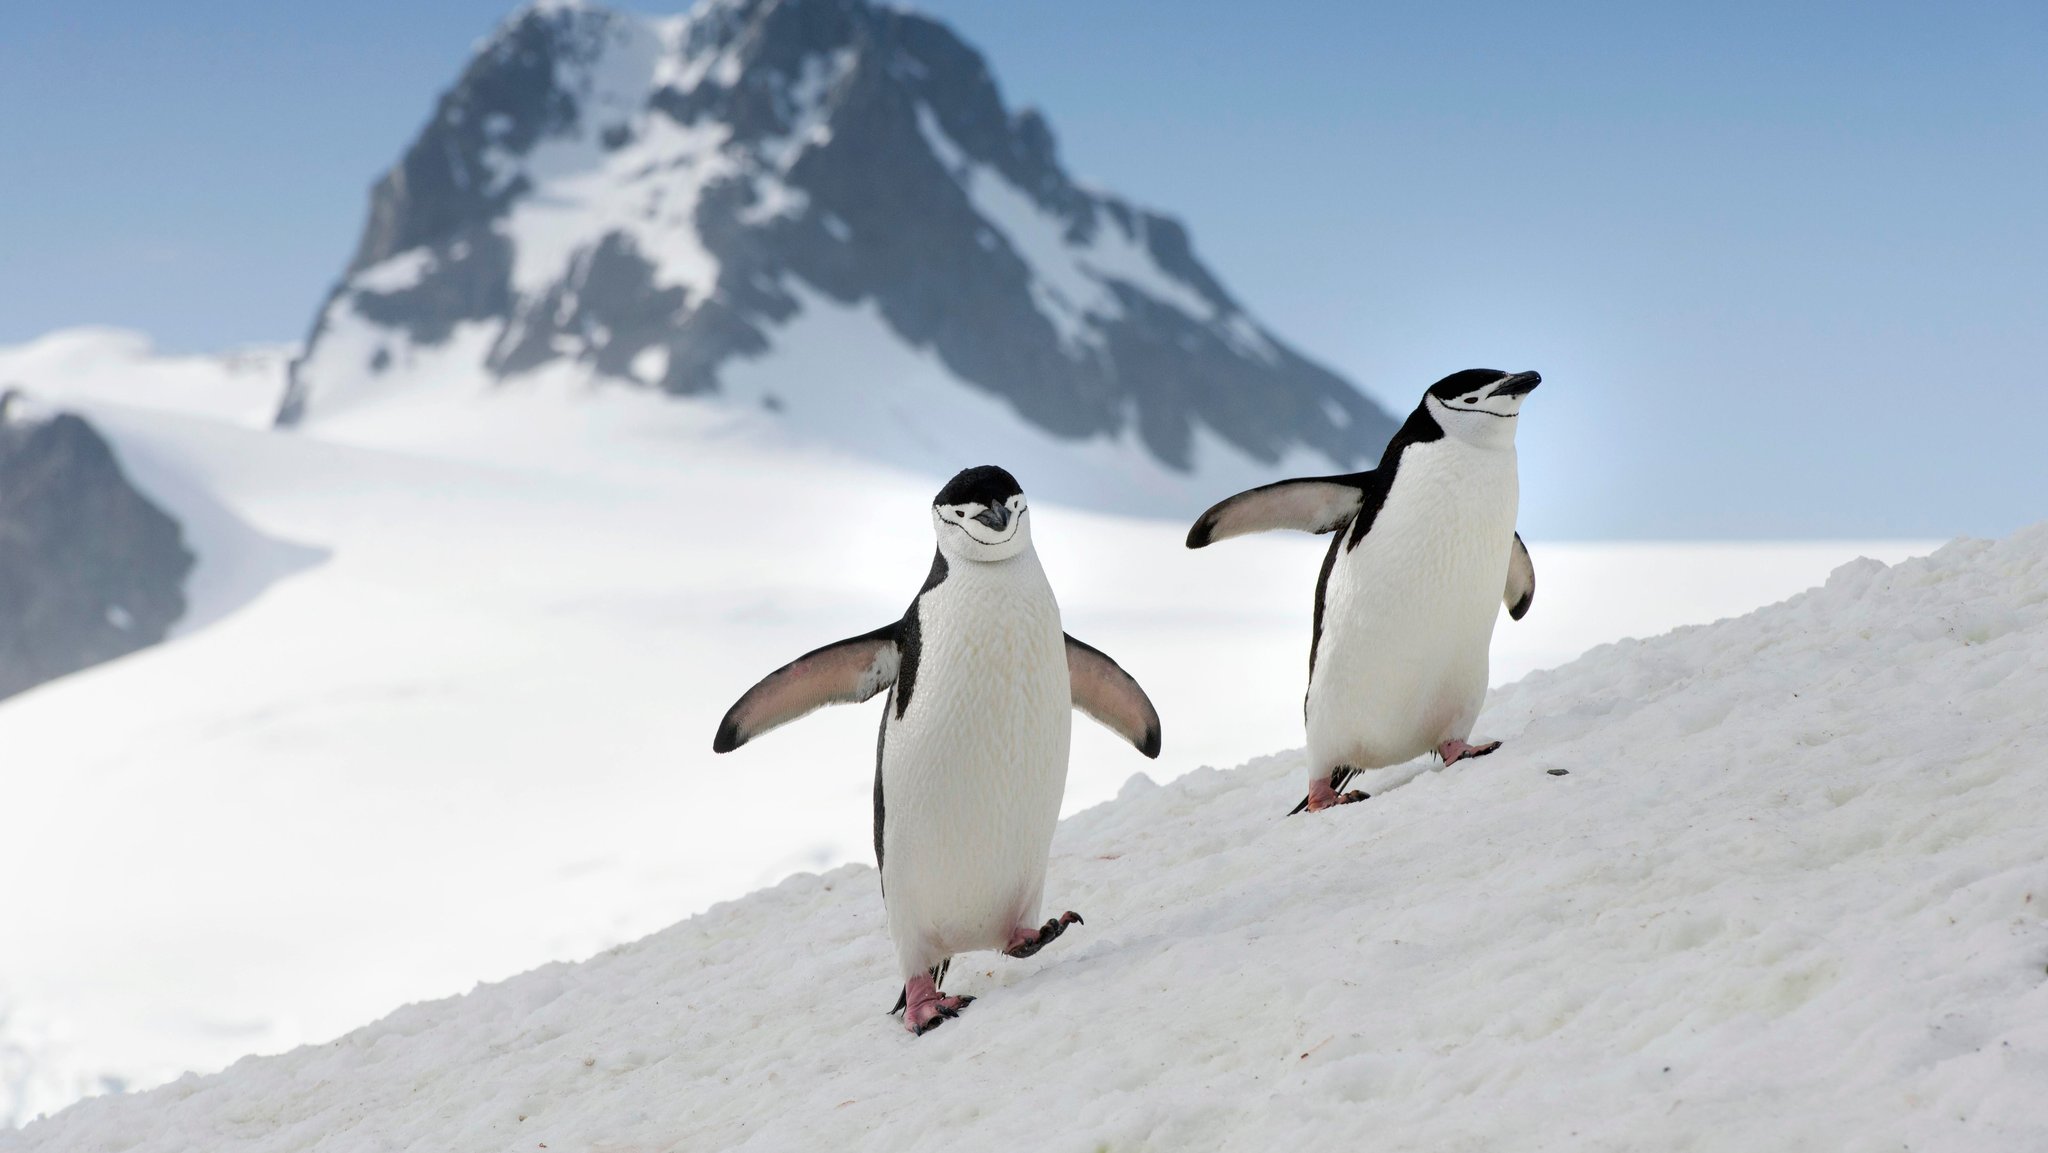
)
(440, 711)
(1788, 892)
(123, 366)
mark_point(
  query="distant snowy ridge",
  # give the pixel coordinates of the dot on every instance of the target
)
(1771, 883)
(606, 199)
(95, 363)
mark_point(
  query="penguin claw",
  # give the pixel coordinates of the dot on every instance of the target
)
(924, 1007)
(926, 1016)
(1454, 751)
(1025, 946)
(1321, 796)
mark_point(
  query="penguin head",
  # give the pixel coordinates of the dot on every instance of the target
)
(1480, 405)
(981, 515)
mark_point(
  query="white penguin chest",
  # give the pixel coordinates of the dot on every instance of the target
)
(974, 769)
(1408, 614)
(991, 681)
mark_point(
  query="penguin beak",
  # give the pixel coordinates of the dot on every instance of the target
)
(995, 516)
(1520, 384)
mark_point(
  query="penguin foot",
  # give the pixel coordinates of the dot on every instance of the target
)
(1323, 794)
(925, 1009)
(1454, 751)
(1025, 942)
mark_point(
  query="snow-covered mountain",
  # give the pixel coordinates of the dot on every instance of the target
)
(819, 219)
(1772, 883)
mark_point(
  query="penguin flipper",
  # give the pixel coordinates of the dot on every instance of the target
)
(1103, 690)
(844, 671)
(1521, 589)
(1315, 504)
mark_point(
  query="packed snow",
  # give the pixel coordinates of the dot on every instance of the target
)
(452, 669)
(1771, 883)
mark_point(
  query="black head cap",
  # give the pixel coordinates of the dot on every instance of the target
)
(1459, 383)
(983, 484)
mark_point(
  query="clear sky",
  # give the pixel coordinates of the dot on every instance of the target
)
(1785, 266)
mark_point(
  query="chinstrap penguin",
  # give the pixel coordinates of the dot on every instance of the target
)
(972, 758)
(1425, 544)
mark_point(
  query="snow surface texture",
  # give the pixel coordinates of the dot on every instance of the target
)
(1788, 895)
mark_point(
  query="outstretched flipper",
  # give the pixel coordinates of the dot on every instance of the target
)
(842, 672)
(1103, 690)
(1315, 504)
(1521, 581)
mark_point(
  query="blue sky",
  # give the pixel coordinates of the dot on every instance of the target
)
(1785, 267)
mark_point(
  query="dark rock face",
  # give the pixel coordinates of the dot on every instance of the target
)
(862, 152)
(89, 569)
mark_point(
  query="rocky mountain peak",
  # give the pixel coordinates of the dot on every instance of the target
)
(653, 201)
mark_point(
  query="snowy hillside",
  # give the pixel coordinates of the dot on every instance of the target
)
(455, 693)
(817, 220)
(1773, 883)
(123, 367)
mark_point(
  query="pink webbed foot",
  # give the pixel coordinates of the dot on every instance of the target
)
(1454, 751)
(1025, 942)
(1323, 794)
(925, 1008)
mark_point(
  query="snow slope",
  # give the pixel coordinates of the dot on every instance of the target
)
(1789, 894)
(463, 717)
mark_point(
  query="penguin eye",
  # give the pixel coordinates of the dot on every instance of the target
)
(1471, 400)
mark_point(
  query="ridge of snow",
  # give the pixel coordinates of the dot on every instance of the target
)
(1070, 281)
(592, 197)
(588, 192)
(1788, 893)
(122, 366)
(837, 375)
(397, 274)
